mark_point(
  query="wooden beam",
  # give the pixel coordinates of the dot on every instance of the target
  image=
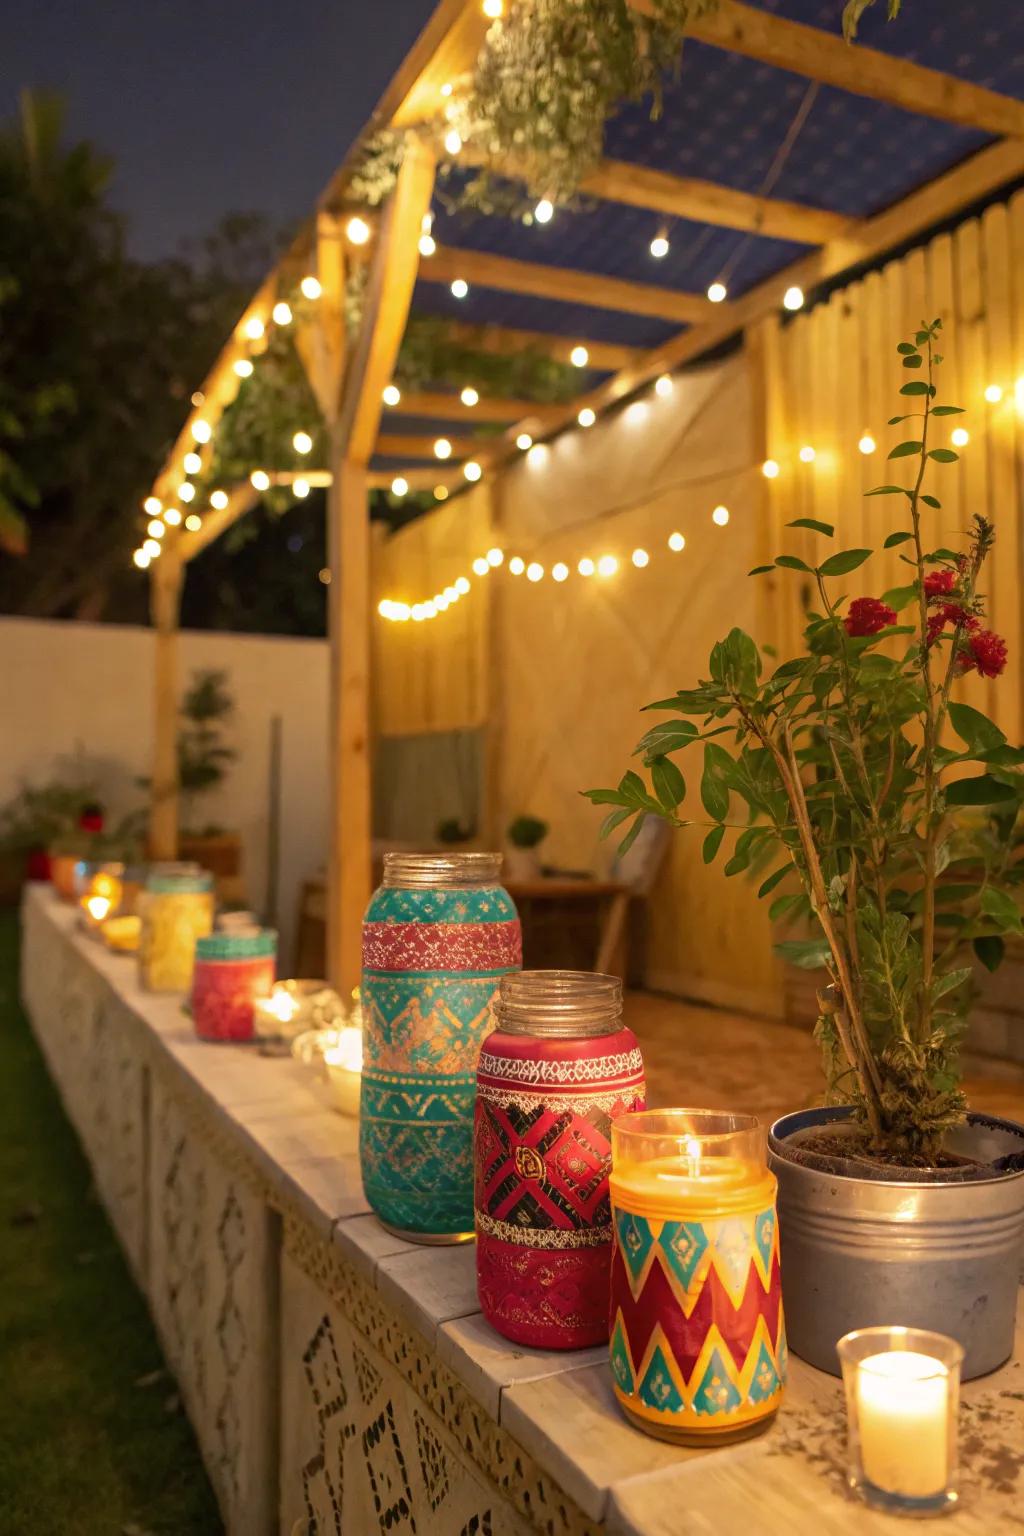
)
(320, 336)
(563, 284)
(166, 582)
(386, 305)
(824, 56)
(451, 407)
(505, 341)
(396, 446)
(706, 202)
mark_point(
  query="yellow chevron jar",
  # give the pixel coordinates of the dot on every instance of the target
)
(698, 1344)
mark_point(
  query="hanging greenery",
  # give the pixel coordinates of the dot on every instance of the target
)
(433, 353)
(853, 10)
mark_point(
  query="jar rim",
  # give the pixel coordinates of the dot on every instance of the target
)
(426, 870)
(566, 1003)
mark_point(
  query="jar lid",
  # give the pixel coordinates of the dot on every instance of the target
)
(567, 1003)
(433, 870)
(237, 946)
(170, 879)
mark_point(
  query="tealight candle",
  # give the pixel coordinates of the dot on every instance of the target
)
(698, 1348)
(294, 1006)
(902, 1394)
(344, 1062)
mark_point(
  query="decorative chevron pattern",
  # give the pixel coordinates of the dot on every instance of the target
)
(424, 1023)
(698, 1339)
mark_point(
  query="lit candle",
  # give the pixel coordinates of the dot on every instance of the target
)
(344, 1062)
(294, 1006)
(902, 1388)
(695, 1269)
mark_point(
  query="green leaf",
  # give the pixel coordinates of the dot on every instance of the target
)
(915, 387)
(949, 982)
(713, 793)
(792, 563)
(669, 784)
(604, 797)
(846, 560)
(990, 951)
(976, 729)
(947, 410)
(913, 362)
(712, 843)
(808, 954)
(759, 570)
(983, 790)
(812, 523)
(785, 904)
(896, 538)
(614, 819)
(1001, 908)
(905, 450)
(943, 455)
(899, 597)
(666, 736)
(631, 836)
(906, 349)
(888, 490)
(772, 881)
(931, 501)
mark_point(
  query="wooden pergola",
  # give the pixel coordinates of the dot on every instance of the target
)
(348, 376)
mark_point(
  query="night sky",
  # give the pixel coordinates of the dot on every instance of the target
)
(209, 106)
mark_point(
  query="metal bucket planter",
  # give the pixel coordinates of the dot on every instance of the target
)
(857, 1253)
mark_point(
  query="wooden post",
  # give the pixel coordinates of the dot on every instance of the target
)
(165, 602)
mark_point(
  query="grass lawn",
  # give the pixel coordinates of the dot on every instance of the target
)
(93, 1441)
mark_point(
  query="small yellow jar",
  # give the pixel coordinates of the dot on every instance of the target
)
(176, 908)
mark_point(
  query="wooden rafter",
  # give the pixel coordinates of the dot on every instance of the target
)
(824, 56)
(565, 284)
(507, 340)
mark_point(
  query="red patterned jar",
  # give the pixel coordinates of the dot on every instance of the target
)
(554, 1074)
(231, 971)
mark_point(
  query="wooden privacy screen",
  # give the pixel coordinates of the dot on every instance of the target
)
(833, 374)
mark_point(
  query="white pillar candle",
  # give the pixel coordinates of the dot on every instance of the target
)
(903, 1415)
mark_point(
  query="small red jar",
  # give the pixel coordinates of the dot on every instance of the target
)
(559, 1067)
(231, 971)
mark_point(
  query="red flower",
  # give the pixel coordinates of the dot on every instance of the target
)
(953, 613)
(936, 624)
(939, 583)
(985, 653)
(868, 615)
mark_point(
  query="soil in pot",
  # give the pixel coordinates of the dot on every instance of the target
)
(846, 1150)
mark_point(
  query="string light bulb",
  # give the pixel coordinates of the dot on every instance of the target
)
(717, 292)
(676, 542)
(544, 211)
(461, 586)
(720, 516)
(472, 470)
(442, 448)
(426, 244)
(480, 566)
(994, 393)
(197, 398)
(538, 454)
(663, 386)
(495, 557)
(254, 328)
(607, 565)
(659, 245)
(534, 571)
(560, 571)
(807, 454)
(141, 559)
(152, 505)
(770, 469)
(440, 493)
(259, 480)
(960, 437)
(579, 356)
(586, 566)
(357, 230)
(281, 314)
(300, 489)
(492, 9)
(192, 463)
(193, 522)
(302, 442)
(453, 141)
(640, 558)
(451, 593)
(186, 491)
(202, 431)
(400, 486)
(172, 517)
(391, 394)
(516, 566)
(586, 417)
(867, 444)
(524, 441)
(793, 298)
(460, 288)
(219, 499)
(152, 548)
(155, 529)
(310, 287)
(470, 396)
(243, 367)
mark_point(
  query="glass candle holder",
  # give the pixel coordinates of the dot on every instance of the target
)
(344, 1063)
(293, 1006)
(176, 909)
(902, 1402)
(232, 970)
(698, 1348)
(102, 893)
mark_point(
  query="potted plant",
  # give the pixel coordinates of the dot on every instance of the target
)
(203, 759)
(32, 824)
(881, 811)
(524, 837)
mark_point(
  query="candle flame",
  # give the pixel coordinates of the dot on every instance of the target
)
(97, 907)
(347, 1052)
(282, 1005)
(693, 1156)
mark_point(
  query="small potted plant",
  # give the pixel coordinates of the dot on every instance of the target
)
(33, 824)
(203, 760)
(881, 812)
(522, 857)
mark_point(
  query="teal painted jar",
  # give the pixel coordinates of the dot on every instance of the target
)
(438, 936)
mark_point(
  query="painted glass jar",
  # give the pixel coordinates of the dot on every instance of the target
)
(558, 1069)
(176, 908)
(231, 971)
(439, 935)
(698, 1345)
